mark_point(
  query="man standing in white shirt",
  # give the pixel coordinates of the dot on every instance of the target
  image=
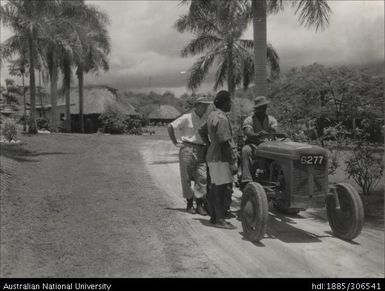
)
(192, 160)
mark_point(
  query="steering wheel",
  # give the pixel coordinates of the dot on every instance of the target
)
(274, 136)
(266, 137)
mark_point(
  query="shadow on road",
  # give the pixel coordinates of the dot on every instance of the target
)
(164, 162)
(281, 227)
(20, 154)
(347, 241)
(256, 243)
(177, 209)
(205, 222)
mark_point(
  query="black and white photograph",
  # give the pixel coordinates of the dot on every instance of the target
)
(191, 139)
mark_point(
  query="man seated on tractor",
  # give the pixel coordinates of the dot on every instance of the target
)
(256, 127)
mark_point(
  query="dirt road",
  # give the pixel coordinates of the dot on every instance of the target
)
(296, 246)
(111, 206)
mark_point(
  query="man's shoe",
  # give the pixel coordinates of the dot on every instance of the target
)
(190, 207)
(212, 221)
(200, 210)
(224, 224)
(229, 215)
(190, 210)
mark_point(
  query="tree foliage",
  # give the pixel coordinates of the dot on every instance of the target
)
(338, 93)
(217, 27)
(365, 166)
(147, 102)
(48, 34)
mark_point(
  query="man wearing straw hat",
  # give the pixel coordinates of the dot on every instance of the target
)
(255, 127)
(192, 161)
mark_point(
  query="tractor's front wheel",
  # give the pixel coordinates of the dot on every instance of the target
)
(346, 221)
(254, 211)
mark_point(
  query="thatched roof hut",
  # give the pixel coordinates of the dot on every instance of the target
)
(96, 100)
(164, 114)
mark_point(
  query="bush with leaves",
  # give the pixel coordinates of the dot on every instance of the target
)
(134, 125)
(365, 166)
(43, 123)
(335, 139)
(113, 120)
(10, 130)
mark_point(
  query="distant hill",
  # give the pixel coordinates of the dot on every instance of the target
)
(148, 102)
(375, 69)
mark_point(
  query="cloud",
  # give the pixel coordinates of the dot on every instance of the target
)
(146, 48)
(355, 35)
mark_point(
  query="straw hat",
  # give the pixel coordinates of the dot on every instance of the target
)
(260, 101)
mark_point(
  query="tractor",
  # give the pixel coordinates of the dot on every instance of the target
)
(294, 177)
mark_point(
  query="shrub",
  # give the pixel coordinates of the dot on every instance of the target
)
(10, 130)
(113, 120)
(335, 139)
(43, 123)
(365, 166)
(134, 125)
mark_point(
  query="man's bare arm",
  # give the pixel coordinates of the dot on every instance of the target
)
(249, 132)
(171, 134)
(204, 133)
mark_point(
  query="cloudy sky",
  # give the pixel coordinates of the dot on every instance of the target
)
(146, 48)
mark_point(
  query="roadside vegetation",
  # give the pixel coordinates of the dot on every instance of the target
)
(54, 38)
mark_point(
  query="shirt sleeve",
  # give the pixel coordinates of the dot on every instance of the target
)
(223, 130)
(179, 123)
(248, 123)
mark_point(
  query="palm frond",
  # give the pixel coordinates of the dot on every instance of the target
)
(313, 12)
(245, 44)
(13, 45)
(273, 61)
(274, 6)
(200, 69)
(200, 44)
(220, 76)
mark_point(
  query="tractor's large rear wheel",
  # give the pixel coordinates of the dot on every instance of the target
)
(254, 211)
(347, 220)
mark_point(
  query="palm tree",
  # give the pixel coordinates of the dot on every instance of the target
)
(96, 58)
(18, 68)
(95, 43)
(30, 21)
(61, 44)
(311, 13)
(83, 20)
(16, 44)
(218, 26)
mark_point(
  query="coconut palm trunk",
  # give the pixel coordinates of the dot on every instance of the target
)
(53, 68)
(25, 105)
(32, 88)
(230, 70)
(81, 88)
(260, 46)
(67, 91)
(40, 96)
